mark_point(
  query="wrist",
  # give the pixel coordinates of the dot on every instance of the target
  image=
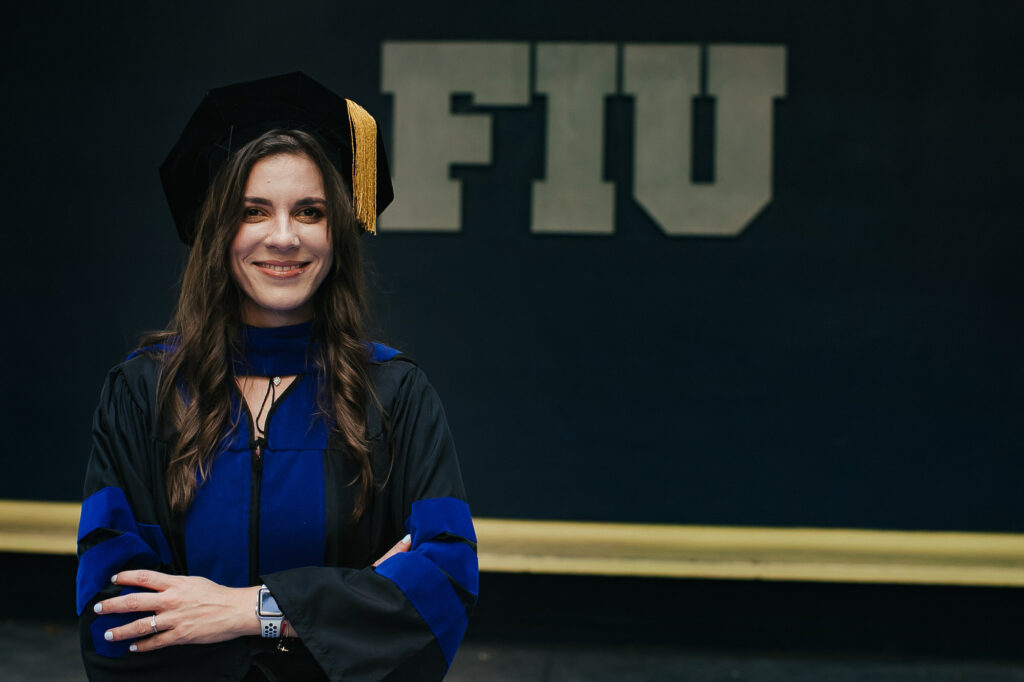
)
(249, 600)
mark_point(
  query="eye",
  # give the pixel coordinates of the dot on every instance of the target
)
(310, 214)
(252, 214)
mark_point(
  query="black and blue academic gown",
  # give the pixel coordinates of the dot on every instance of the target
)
(275, 509)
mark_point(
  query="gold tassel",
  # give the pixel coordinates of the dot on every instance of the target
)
(363, 131)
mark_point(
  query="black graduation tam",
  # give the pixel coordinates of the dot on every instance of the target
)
(234, 115)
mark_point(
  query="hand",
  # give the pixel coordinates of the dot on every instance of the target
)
(402, 545)
(189, 610)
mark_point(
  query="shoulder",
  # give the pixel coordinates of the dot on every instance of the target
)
(391, 371)
(135, 379)
(397, 379)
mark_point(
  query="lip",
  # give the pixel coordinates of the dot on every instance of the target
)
(292, 268)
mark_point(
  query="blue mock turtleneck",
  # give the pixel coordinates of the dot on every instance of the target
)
(275, 351)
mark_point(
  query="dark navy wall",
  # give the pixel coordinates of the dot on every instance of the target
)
(850, 360)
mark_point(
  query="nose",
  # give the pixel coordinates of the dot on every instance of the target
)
(282, 234)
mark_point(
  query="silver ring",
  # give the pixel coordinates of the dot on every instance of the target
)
(152, 624)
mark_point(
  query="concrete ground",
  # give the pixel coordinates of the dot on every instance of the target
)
(48, 652)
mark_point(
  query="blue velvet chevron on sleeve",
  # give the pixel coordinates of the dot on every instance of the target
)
(439, 574)
(124, 544)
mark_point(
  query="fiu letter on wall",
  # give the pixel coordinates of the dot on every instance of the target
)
(572, 197)
(427, 137)
(664, 79)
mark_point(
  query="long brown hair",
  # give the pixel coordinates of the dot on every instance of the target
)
(194, 389)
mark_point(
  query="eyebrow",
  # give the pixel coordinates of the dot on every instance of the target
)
(305, 201)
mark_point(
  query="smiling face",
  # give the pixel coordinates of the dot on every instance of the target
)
(282, 250)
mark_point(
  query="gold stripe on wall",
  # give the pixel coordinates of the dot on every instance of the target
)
(748, 553)
(38, 527)
(627, 549)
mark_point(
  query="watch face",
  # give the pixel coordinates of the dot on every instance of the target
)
(268, 605)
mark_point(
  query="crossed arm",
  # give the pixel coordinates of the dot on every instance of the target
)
(184, 609)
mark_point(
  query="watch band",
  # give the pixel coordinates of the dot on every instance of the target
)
(269, 614)
(271, 629)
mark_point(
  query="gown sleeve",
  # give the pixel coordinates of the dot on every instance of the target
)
(406, 618)
(110, 536)
(120, 529)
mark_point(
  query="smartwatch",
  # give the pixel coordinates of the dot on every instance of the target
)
(269, 613)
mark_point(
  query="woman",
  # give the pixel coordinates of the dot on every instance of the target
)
(254, 465)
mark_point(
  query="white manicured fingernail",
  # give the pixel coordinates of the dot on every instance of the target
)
(108, 635)
(133, 648)
(113, 579)
(98, 608)
(407, 539)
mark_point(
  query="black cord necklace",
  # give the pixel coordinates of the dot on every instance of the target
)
(272, 383)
